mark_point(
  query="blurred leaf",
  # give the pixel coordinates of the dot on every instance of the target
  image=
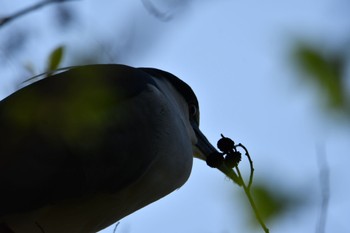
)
(269, 205)
(14, 42)
(326, 71)
(30, 68)
(55, 58)
(272, 203)
(64, 16)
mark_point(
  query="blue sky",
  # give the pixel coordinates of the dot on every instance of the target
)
(235, 55)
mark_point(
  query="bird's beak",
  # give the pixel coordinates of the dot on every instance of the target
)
(203, 148)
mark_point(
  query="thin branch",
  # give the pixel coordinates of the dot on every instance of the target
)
(115, 227)
(43, 75)
(251, 165)
(27, 10)
(252, 203)
(231, 174)
(324, 175)
(237, 178)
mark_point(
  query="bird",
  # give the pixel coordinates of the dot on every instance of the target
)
(83, 148)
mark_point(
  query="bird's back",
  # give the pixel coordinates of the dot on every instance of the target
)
(66, 158)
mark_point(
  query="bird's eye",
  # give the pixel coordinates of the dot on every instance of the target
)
(192, 109)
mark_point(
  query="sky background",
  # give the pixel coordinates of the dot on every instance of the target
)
(236, 55)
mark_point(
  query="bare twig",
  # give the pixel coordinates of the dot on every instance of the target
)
(115, 227)
(226, 145)
(27, 10)
(251, 165)
(43, 75)
(247, 189)
(324, 174)
(252, 203)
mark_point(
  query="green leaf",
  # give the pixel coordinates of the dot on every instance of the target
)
(270, 206)
(273, 203)
(326, 70)
(55, 58)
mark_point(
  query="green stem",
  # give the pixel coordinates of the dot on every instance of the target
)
(251, 201)
(251, 165)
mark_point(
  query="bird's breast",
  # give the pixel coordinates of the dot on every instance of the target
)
(144, 154)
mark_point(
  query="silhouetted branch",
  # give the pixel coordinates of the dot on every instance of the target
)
(27, 10)
(251, 165)
(116, 226)
(251, 201)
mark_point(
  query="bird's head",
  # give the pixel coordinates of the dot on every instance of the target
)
(188, 106)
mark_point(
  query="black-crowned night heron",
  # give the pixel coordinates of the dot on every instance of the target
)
(81, 149)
